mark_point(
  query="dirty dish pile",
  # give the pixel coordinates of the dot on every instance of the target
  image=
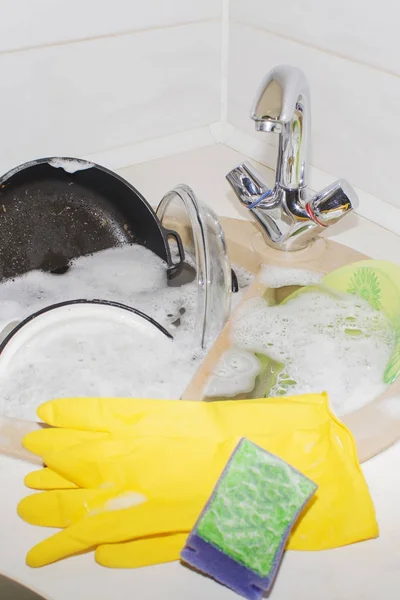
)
(131, 275)
(187, 292)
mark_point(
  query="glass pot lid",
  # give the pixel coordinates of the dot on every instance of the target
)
(205, 249)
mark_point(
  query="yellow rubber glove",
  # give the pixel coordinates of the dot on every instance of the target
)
(111, 451)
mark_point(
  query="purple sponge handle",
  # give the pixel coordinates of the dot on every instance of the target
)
(211, 561)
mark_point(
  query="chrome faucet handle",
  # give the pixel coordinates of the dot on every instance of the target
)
(332, 203)
(248, 185)
(282, 105)
(289, 216)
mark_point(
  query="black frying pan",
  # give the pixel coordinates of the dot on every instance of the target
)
(49, 216)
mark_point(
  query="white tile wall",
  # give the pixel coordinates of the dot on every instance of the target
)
(81, 77)
(355, 124)
(26, 23)
(86, 97)
(364, 31)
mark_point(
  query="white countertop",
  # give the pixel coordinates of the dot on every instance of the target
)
(365, 571)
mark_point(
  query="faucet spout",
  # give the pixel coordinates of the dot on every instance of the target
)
(282, 105)
(289, 216)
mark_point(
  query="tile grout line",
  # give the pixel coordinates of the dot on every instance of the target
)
(224, 59)
(317, 48)
(148, 149)
(106, 36)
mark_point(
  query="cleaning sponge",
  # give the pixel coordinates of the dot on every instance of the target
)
(240, 536)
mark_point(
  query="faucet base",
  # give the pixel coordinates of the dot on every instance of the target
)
(290, 217)
(285, 224)
(313, 252)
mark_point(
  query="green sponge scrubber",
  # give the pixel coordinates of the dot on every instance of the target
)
(240, 536)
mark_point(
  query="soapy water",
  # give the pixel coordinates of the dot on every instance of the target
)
(95, 358)
(102, 359)
(130, 274)
(319, 340)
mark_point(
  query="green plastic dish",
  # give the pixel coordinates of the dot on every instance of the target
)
(377, 282)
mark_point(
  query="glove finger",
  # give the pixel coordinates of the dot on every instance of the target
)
(142, 552)
(61, 508)
(157, 467)
(103, 414)
(46, 440)
(115, 525)
(113, 462)
(134, 415)
(179, 417)
(46, 479)
(144, 416)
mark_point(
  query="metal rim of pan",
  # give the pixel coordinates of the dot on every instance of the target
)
(96, 301)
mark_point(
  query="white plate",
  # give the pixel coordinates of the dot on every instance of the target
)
(87, 311)
(81, 349)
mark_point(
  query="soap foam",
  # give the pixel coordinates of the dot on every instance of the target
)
(130, 274)
(102, 360)
(276, 277)
(236, 372)
(70, 165)
(326, 342)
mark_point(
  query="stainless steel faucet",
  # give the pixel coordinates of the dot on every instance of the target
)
(289, 215)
